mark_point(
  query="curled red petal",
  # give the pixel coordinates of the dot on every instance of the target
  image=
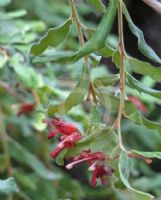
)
(26, 108)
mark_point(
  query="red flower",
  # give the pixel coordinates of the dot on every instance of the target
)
(70, 135)
(100, 171)
(95, 160)
(26, 108)
(138, 103)
(66, 142)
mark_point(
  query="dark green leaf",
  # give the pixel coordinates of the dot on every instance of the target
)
(75, 97)
(124, 167)
(8, 186)
(98, 5)
(53, 37)
(142, 45)
(135, 84)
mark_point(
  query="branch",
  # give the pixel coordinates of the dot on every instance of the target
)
(154, 4)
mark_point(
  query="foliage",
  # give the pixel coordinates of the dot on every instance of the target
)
(110, 120)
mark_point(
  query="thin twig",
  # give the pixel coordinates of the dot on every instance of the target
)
(154, 4)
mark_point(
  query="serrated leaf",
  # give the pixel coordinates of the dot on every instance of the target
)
(8, 186)
(148, 154)
(135, 84)
(106, 80)
(53, 38)
(97, 4)
(75, 97)
(142, 45)
(23, 156)
(124, 166)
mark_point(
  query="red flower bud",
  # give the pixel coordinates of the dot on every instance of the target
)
(26, 108)
(138, 103)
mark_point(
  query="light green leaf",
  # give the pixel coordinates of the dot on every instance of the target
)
(4, 2)
(23, 156)
(106, 80)
(135, 84)
(142, 45)
(148, 154)
(53, 37)
(97, 4)
(8, 186)
(124, 166)
(75, 97)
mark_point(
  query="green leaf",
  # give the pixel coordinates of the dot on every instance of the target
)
(53, 37)
(75, 97)
(98, 39)
(97, 4)
(144, 68)
(148, 154)
(142, 45)
(112, 103)
(124, 167)
(4, 2)
(8, 186)
(137, 118)
(135, 84)
(23, 156)
(95, 114)
(138, 66)
(58, 57)
(106, 80)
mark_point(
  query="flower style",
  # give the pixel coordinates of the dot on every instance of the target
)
(96, 165)
(138, 103)
(70, 135)
(26, 108)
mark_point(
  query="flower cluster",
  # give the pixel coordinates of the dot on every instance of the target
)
(70, 135)
(96, 165)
